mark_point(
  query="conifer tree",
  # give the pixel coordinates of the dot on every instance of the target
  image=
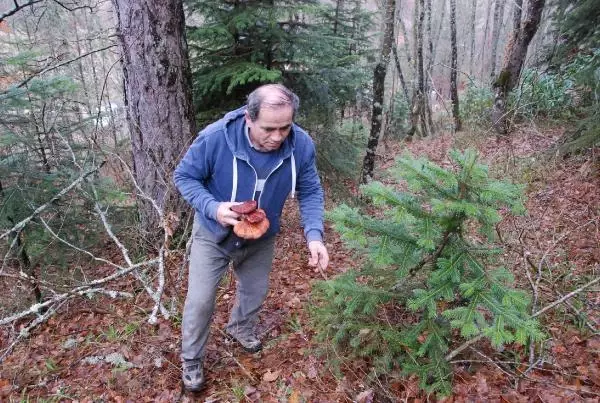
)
(312, 47)
(432, 277)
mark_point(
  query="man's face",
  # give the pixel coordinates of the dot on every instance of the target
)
(271, 128)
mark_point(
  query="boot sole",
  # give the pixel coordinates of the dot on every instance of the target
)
(194, 389)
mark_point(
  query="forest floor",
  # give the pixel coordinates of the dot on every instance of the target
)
(104, 350)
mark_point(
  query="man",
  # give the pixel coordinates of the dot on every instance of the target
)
(253, 153)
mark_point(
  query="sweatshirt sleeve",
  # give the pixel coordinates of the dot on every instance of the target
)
(310, 196)
(190, 177)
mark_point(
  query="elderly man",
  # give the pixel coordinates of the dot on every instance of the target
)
(253, 153)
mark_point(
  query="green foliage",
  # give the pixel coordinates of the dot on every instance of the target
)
(432, 276)
(399, 116)
(575, 56)
(311, 47)
(543, 95)
(340, 148)
(475, 104)
(41, 153)
(576, 29)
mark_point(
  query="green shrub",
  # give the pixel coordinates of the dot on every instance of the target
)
(430, 280)
(340, 149)
(475, 105)
(399, 124)
(543, 95)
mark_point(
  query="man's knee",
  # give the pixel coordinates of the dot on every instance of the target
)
(199, 302)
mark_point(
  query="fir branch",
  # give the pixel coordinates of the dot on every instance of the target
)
(435, 256)
(20, 225)
(50, 68)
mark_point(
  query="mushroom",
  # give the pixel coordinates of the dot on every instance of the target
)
(253, 223)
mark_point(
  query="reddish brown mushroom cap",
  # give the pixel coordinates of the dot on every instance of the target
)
(247, 230)
(245, 207)
(256, 216)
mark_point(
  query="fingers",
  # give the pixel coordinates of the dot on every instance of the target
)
(318, 255)
(314, 257)
(225, 216)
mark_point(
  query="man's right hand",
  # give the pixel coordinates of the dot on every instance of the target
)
(225, 216)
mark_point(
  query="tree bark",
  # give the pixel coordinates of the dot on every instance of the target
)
(484, 43)
(419, 104)
(454, 67)
(514, 57)
(436, 41)
(157, 83)
(378, 92)
(473, 20)
(498, 20)
(400, 75)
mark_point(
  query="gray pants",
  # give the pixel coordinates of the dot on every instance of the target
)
(208, 263)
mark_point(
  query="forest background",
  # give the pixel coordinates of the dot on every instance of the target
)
(449, 279)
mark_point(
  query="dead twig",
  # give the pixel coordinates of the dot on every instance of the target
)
(230, 355)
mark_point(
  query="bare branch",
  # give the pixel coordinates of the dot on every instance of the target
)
(19, 226)
(462, 347)
(50, 68)
(566, 297)
(18, 7)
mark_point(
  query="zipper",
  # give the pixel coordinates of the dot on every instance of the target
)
(256, 178)
(267, 178)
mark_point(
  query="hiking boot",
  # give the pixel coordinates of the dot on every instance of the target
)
(192, 376)
(249, 342)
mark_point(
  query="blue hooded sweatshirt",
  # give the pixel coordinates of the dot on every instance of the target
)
(216, 168)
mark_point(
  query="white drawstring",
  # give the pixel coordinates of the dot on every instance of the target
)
(235, 179)
(293, 161)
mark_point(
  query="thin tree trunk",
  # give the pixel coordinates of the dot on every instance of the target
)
(473, 20)
(338, 6)
(430, 55)
(437, 35)
(484, 44)
(400, 75)
(517, 14)
(454, 67)
(419, 122)
(498, 21)
(157, 83)
(378, 92)
(516, 51)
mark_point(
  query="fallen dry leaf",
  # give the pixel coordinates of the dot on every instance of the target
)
(271, 376)
(365, 396)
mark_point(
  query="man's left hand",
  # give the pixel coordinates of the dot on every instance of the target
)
(318, 254)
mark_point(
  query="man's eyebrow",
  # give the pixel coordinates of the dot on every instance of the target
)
(275, 127)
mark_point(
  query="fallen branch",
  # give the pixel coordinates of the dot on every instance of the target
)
(20, 225)
(566, 297)
(53, 305)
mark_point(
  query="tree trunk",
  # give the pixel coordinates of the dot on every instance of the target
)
(427, 72)
(473, 20)
(436, 41)
(484, 43)
(514, 57)
(157, 84)
(378, 92)
(454, 67)
(498, 20)
(400, 75)
(517, 14)
(420, 104)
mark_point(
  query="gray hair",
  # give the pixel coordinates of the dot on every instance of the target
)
(271, 96)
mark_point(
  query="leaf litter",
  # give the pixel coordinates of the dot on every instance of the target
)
(562, 227)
